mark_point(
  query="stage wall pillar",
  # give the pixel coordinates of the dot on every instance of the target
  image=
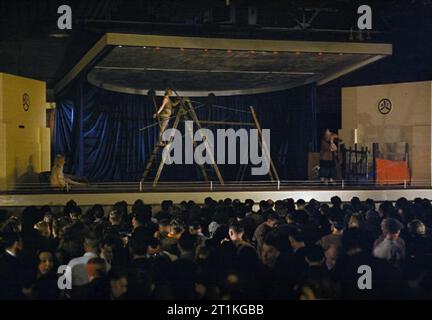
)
(24, 138)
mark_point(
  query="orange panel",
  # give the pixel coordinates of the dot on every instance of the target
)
(391, 172)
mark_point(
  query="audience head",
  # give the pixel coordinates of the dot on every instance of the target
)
(336, 201)
(75, 212)
(98, 211)
(370, 204)
(91, 244)
(355, 221)
(416, 227)
(235, 230)
(47, 214)
(195, 227)
(272, 247)
(275, 243)
(301, 204)
(107, 247)
(391, 228)
(95, 268)
(290, 204)
(29, 217)
(280, 208)
(115, 217)
(272, 219)
(264, 206)
(240, 212)
(221, 216)
(164, 227)
(177, 230)
(187, 242)
(154, 246)
(141, 215)
(118, 283)
(166, 206)
(249, 204)
(337, 225)
(122, 207)
(12, 242)
(208, 201)
(138, 244)
(13, 224)
(228, 202)
(46, 262)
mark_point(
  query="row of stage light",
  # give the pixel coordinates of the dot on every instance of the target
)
(229, 51)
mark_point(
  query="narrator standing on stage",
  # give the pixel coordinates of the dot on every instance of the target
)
(328, 150)
(165, 111)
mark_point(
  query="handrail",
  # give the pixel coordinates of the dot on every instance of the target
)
(278, 185)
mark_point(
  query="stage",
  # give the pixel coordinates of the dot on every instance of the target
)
(109, 193)
(121, 64)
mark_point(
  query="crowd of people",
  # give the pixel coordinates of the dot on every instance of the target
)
(224, 249)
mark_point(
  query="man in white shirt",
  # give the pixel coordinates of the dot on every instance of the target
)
(390, 246)
(77, 265)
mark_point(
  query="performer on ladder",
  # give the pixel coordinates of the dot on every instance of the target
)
(165, 111)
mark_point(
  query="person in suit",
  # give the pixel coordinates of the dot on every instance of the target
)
(11, 273)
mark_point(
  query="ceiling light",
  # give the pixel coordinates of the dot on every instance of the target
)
(59, 34)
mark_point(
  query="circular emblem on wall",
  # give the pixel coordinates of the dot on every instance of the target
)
(384, 106)
(26, 101)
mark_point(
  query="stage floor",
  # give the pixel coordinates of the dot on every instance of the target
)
(108, 194)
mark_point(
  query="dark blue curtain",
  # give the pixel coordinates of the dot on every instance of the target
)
(290, 115)
(99, 131)
(64, 114)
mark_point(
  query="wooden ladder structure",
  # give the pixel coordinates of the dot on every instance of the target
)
(210, 171)
(187, 112)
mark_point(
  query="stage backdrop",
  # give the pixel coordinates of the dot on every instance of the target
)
(98, 131)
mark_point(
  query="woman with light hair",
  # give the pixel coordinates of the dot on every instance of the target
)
(57, 178)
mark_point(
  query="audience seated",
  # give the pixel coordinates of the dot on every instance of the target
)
(224, 249)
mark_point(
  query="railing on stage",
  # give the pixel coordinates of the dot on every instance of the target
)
(191, 186)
